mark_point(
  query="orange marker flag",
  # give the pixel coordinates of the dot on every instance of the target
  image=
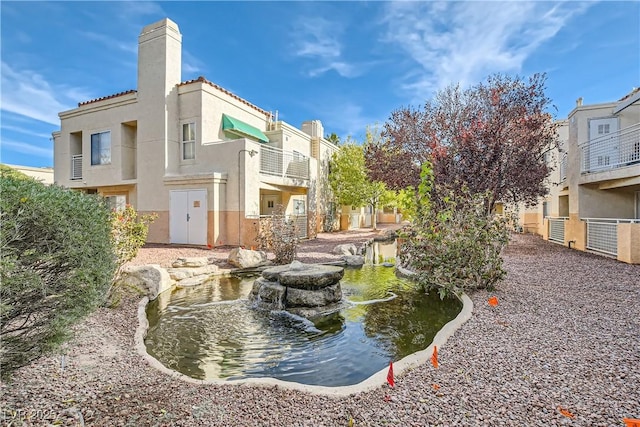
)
(390, 375)
(631, 422)
(434, 356)
(566, 412)
(493, 301)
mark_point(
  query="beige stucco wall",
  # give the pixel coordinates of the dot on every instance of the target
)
(629, 243)
(44, 175)
(101, 116)
(146, 157)
(575, 230)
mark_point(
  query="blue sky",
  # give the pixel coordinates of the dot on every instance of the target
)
(349, 64)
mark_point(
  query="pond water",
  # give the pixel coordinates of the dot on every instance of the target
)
(212, 332)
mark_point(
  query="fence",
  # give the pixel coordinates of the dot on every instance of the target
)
(613, 150)
(556, 229)
(277, 162)
(602, 234)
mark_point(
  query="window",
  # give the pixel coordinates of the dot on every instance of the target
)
(298, 207)
(603, 129)
(118, 202)
(101, 148)
(188, 141)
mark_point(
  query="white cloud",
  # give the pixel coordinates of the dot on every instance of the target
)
(25, 131)
(463, 42)
(191, 64)
(26, 148)
(27, 93)
(130, 47)
(318, 40)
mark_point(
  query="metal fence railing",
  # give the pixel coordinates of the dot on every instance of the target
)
(299, 222)
(563, 167)
(76, 166)
(613, 150)
(602, 234)
(277, 162)
(556, 229)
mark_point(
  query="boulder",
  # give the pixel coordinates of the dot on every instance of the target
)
(246, 258)
(190, 262)
(311, 277)
(386, 235)
(321, 297)
(353, 260)
(152, 279)
(186, 272)
(346, 249)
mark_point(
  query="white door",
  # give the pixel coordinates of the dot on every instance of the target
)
(269, 203)
(604, 150)
(188, 217)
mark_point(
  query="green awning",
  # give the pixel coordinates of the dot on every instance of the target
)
(229, 124)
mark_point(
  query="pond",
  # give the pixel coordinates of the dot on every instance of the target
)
(212, 331)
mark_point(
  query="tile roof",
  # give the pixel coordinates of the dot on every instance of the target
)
(630, 94)
(126, 92)
(201, 79)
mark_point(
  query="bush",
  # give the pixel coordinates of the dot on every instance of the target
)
(128, 234)
(57, 263)
(456, 246)
(280, 235)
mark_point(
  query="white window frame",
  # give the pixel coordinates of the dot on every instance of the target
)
(102, 158)
(184, 142)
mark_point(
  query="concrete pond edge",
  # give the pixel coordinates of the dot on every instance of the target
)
(373, 382)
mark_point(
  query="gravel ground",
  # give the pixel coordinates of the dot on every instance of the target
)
(564, 336)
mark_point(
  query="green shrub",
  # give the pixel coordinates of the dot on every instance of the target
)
(128, 234)
(57, 263)
(456, 244)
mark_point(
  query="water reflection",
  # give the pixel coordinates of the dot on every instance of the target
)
(381, 252)
(210, 331)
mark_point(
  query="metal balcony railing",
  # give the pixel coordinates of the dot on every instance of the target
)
(602, 234)
(556, 229)
(277, 162)
(76, 166)
(613, 150)
(563, 167)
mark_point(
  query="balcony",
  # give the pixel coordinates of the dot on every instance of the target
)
(611, 151)
(76, 166)
(283, 164)
(563, 167)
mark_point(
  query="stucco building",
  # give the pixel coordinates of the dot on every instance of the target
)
(594, 198)
(208, 162)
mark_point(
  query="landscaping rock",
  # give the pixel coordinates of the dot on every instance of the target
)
(152, 279)
(246, 258)
(386, 235)
(346, 249)
(190, 262)
(353, 260)
(185, 272)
